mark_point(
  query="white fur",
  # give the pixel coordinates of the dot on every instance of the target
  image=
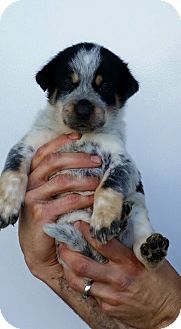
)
(109, 138)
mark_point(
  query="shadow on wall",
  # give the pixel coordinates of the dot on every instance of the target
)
(28, 34)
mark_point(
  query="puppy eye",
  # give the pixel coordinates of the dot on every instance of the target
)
(67, 84)
(105, 87)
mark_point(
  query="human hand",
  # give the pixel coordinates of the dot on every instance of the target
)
(123, 287)
(39, 207)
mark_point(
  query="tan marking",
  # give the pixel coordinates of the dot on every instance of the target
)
(98, 80)
(107, 207)
(52, 99)
(118, 100)
(99, 115)
(69, 108)
(74, 77)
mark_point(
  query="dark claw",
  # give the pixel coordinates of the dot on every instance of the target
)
(115, 228)
(3, 223)
(100, 235)
(13, 219)
(106, 233)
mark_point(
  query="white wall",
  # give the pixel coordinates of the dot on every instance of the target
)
(147, 34)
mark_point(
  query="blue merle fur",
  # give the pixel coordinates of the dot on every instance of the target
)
(16, 156)
(123, 177)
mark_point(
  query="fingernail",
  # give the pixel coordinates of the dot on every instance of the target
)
(96, 159)
(74, 136)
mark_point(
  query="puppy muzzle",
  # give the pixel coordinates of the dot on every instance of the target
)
(84, 109)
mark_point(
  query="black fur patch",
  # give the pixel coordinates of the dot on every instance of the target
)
(15, 157)
(117, 79)
(57, 71)
(118, 180)
(139, 188)
(119, 177)
(106, 161)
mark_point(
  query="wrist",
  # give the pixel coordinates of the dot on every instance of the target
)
(169, 310)
(46, 272)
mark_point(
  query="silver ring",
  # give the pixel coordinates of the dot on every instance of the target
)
(87, 288)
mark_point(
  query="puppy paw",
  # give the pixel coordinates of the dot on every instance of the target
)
(12, 191)
(154, 250)
(104, 234)
(103, 229)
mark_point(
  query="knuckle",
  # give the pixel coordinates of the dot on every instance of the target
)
(63, 253)
(49, 158)
(72, 198)
(28, 198)
(62, 179)
(115, 300)
(106, 308)
(73, 284)
(81, 268)
(35, 181)
(121, 282)
(36, 210)
(41, 151)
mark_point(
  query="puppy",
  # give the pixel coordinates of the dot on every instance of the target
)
(87, 87)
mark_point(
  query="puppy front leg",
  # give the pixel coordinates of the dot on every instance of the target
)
(14, 177)
(110, 211)
(13, 182)
(105, 220)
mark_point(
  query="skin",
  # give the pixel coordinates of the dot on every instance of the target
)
(124, 293)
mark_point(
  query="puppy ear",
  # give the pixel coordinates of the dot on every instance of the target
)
(45, 77)
(129, 84)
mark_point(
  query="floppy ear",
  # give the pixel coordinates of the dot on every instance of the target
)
(45, 77)
(129, 84)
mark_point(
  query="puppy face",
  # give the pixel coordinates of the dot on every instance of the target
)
(88, 84)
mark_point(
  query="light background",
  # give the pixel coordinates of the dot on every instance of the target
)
(146, 34)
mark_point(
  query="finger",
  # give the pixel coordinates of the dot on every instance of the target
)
(59, 161)
(53, 146)
(83, 266)
(113, 250)
(54, 208)
(104, 292)
(62, 184)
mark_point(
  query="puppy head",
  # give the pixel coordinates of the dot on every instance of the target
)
(88, 84)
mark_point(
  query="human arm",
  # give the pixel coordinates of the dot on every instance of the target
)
(39, 209)
(123, 287)
(40, 253)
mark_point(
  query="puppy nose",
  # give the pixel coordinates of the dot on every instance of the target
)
(84, 108)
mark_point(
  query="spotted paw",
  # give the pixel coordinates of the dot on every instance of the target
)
(154, 250)
(12, 191)
(10, 220)
(104, 234)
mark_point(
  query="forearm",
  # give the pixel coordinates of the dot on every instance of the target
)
(88, 309)
(171, 307)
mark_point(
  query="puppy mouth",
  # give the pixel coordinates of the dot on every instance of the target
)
(84, 127)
